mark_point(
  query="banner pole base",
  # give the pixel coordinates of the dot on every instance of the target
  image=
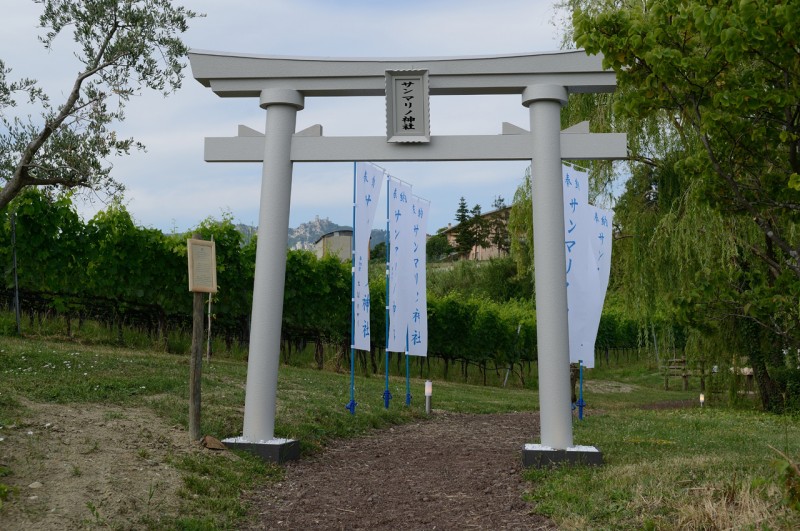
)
(540, 456)
(581, 403)
(274, 450)
(386, 397)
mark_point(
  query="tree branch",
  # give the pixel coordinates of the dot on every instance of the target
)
(21, 177)
(53, 181)
(762, 223)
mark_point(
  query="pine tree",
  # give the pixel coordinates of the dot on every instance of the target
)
(498, 225)
(479, 228)
(464, 237)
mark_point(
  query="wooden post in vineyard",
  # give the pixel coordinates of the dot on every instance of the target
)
(16, 280)
(202, 279)
(208, 330)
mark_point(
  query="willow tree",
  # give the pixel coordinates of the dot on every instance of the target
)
(123, 46)
(714, 209)
(520, 227)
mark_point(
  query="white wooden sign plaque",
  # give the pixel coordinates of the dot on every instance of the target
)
(407, 106)
(202, 266)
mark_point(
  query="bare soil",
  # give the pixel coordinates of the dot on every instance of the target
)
(90, 466)
(455, 471)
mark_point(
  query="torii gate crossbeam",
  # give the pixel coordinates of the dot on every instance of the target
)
(249, 147)
(282, 83)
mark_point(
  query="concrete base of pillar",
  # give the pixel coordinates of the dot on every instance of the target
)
(538, 456)
(274, 450)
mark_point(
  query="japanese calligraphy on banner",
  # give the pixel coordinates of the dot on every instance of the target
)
(580, 270)
(418, 319)
(600, 223)
(367, 190)
(407, 114)
(401, 279)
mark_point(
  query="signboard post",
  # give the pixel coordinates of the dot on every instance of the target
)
(202, 279)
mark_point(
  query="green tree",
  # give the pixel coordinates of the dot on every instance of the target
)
(51, 253)
(472, 231)
(378, 253)
(479, 227)
(130, 264)
(233, 300)
(717, 203)
(438, 248)
(520, 227)
(729, 76)
(124, 46)
(464, 238)
(498, 225)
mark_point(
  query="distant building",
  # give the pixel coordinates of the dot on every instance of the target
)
(496, 227)
(338, 243)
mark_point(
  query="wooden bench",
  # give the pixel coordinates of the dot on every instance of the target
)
(676, 367)
(747, 374)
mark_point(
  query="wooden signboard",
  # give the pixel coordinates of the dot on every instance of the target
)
(202, 266)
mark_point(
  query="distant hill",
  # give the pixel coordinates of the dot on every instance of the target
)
(378, 236)
(304, 236)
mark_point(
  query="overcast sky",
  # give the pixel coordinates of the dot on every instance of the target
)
(170, 187)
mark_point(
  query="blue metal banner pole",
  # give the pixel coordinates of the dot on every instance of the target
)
(408, 380)
(351, 406)
(581, 403)
(386, 394)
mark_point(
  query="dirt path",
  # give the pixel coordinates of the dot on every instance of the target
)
(453, 472)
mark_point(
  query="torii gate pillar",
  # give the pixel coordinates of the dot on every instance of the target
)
(552, 335)
(552, 332)
(258, 434)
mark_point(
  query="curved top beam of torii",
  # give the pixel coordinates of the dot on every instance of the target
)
(246, 75)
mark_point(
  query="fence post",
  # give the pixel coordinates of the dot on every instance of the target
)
(16, 281)
(702, 376)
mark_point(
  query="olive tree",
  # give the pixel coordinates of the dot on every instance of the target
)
(123, 47)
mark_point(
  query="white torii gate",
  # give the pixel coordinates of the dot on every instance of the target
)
(543, 80)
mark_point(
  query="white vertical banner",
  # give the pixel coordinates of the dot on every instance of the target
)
(368, 182)
(602, 238)
(581, 271)
(601, 223)
(401, 241)
(418, 321)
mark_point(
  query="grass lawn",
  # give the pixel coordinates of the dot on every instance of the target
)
(672, 468)
(665, 468)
